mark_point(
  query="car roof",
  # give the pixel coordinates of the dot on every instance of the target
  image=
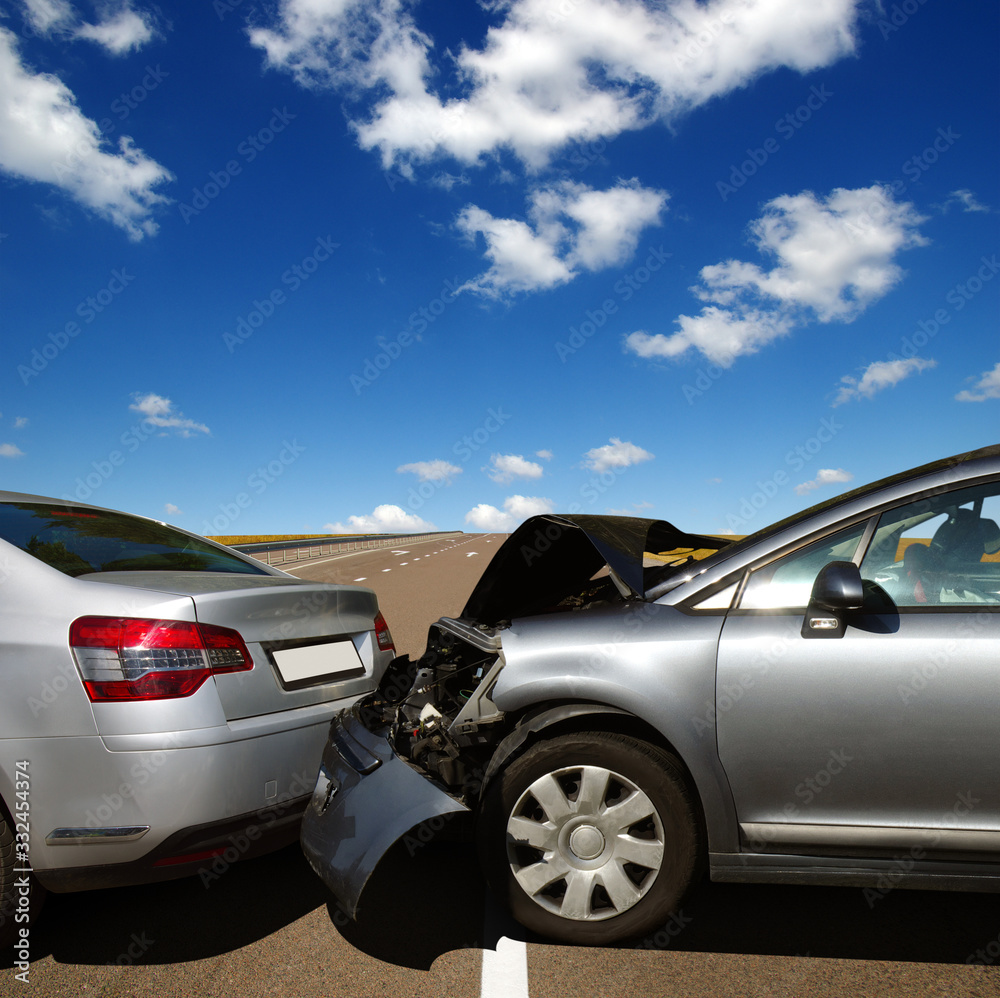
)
(945, 474)
(954, 464)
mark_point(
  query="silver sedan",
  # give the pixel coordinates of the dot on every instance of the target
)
(165, 699)
(623, 707)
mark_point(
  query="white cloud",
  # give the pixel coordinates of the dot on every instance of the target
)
(46, 16)
(545, 455)
(45, 137)
(20, 422)
(505, 468)
(520, 259)
(826, 476)
(160, 412)
(171, 510)
(835, 257)
(608, 222)
(547, 74)
(437, 470)
(987, 387)
(571, 228)
(720, 334)
(10, 450)
(617, 454)
(882, 374)
(446, 181)
(967, 200)
(516, 509)
(385, 519)
(121, 31)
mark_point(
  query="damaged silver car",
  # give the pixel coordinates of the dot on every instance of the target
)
(623, 706)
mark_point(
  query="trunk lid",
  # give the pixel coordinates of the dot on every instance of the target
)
(310, 642)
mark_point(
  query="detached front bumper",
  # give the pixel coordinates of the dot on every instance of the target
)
(366, 799)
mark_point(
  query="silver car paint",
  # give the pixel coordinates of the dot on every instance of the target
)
(658, 661)
(238, 745)
(78, 782)
(875, 729)
(264, 614)
(652, 661)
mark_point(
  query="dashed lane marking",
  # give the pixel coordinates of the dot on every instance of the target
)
(505, 960)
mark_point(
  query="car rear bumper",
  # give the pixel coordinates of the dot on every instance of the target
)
(366, 799)
(103, 816)
(206, 850)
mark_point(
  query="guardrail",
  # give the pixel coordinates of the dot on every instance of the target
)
(278, 553)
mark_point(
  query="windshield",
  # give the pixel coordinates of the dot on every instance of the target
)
(79, 541)
(658, 566)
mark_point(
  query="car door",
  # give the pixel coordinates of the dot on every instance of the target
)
(883, 734)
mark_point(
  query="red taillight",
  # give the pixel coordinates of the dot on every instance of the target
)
(129, 658)
(382, 634)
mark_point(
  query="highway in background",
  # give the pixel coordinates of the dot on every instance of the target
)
(415, 583)
(428, 928)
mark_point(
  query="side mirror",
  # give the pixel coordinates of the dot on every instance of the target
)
(838, 589)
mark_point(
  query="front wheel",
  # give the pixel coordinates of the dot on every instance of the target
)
(591, 837)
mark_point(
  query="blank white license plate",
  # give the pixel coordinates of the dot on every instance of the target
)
(331, 658)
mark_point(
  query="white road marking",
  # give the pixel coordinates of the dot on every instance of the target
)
(298, 566)
(362, 579)
(505, 960)
(471, 554)
(386, 569)
(404, 563)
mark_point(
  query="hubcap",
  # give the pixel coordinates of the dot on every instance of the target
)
(585, 843)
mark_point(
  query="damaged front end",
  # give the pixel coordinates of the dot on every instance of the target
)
(420, 748)
(413, 751)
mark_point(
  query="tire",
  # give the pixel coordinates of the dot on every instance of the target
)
(591, 838)
(11, 891)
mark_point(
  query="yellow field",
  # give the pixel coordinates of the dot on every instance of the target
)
(270, 538)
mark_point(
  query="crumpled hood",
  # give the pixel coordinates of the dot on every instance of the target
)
(553, 556)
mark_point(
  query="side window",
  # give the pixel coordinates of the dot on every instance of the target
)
(787, 582)
(943, 550)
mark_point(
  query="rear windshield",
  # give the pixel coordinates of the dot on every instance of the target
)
(80, 541)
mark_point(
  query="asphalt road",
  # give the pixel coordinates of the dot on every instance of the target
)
(428, 928)
(415, 583)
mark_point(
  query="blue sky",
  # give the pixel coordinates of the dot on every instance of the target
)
(324, 265)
